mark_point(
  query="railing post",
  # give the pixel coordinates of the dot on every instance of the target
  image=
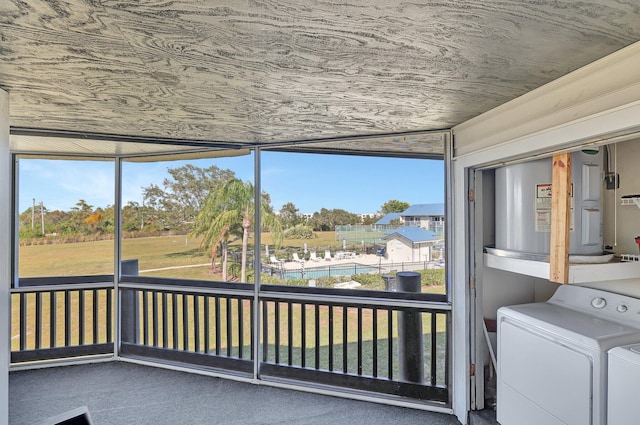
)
(129, 314)
(389, 282)
(410, 340)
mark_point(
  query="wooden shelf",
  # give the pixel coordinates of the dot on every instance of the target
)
(578, 273)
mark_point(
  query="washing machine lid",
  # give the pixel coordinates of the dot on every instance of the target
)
(576, 326)
(629, 353)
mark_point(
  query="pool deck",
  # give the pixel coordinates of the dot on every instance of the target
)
(361, 259)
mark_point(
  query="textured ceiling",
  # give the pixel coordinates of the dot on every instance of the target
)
(269, 71)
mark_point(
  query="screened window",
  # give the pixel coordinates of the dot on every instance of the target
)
(183, 219)
(353, 222)
(65, 222)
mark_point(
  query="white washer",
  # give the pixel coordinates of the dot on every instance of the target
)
(552, 356)
(623, 395)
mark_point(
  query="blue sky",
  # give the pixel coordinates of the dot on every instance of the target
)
(311, 182)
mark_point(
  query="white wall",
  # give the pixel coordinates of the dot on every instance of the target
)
(502, 288)
(5, 255)
(400, 252)
(397, 251)
(622, 223)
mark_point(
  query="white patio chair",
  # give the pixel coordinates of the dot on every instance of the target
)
(313, 257)
(296, 258)
(327, 255)
(274, 260)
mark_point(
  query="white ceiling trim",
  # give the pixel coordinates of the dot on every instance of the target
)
(427, 144)
(613, 126)
(597, 88)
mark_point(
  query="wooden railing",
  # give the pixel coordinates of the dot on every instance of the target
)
(357, 343)
(55, 318)
(382, 342)
(205, 324)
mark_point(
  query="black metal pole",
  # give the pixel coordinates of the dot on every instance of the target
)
(410, 340)
(129, 305)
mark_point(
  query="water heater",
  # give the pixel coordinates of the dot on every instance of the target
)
(523, 205)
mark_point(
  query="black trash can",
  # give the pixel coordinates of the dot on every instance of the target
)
(410, 340)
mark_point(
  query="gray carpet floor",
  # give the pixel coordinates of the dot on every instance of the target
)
(125, 393)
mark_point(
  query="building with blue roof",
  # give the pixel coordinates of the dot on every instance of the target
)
(387, 219)
(427, 216)
(410, 244)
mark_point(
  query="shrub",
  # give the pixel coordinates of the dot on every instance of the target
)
(370, 281)
(299, 231)
(326, 281)
(432, 277)
(27, 233)
(234, 268)
(322, 282)
(270, 280)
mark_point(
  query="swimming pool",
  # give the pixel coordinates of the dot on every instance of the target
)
(336, 270)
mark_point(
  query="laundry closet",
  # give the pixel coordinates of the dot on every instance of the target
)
(564, 245)
(604, 193)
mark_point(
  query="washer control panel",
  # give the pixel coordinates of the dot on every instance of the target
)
(599, 302)
(594, 301)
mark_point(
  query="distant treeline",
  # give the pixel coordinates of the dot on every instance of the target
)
(170, 209)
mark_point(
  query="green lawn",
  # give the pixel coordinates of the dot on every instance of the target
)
(90, 258)
(177, 257)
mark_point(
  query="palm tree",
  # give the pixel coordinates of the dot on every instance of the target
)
(230, 208)
(209, 223)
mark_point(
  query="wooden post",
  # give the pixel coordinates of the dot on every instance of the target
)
(560, 218)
